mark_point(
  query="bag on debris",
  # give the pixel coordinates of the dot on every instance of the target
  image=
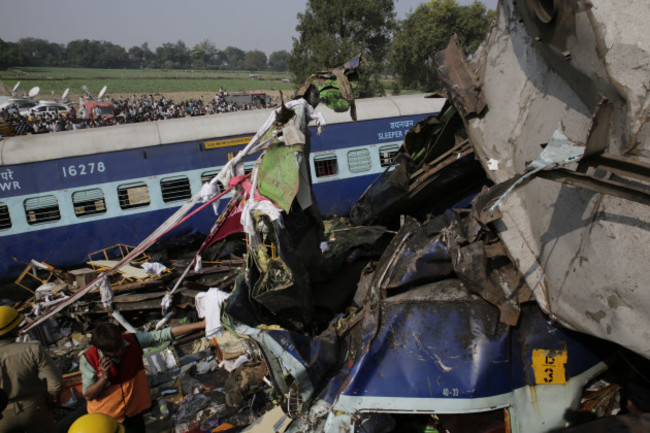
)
(242, 382)
(192, 404)
(161, 363)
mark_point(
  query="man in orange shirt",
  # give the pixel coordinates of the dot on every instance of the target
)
(113, 376)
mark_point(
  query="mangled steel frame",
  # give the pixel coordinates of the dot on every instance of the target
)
(569, 209)
(434, 349)
(580, 236)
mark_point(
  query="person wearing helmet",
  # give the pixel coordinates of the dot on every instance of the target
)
(20, 365)
(112, 372)
(96, 423)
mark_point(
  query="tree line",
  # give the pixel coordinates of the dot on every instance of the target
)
(84, 53)
(330, 32)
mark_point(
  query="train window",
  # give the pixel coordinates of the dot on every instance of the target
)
(133, 195)
(387, 154)
(359, 160)
(175, 188)
(88, 202)
(5, 219)
(208, 175)
(325, 165)
(42, 209)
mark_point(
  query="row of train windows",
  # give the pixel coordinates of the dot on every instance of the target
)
(359, 160)
(45, 209)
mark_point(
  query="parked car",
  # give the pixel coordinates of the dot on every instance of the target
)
(14, 106)
(44, 107)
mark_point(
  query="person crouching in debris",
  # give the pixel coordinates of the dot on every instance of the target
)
(112, 371)
(20, 364)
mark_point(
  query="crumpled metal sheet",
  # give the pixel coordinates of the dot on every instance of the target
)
(438, 348)
(460, 79)
(434, 171)
(293, 357)
(582, 252)
(389, 190)
(498, 287)
(411, 257)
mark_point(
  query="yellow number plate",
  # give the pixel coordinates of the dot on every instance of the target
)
(548, 366)
(226, 143)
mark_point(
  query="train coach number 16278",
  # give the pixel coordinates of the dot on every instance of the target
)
(83, 169)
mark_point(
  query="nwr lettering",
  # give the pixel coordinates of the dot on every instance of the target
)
(7, 181)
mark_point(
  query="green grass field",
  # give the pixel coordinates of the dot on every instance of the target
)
(135, 81)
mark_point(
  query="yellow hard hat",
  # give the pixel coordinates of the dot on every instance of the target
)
(9, 319)
(96, 423)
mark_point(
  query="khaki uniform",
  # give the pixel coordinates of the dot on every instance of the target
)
(20, 364)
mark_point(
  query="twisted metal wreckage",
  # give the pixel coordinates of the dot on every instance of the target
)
(500, 261)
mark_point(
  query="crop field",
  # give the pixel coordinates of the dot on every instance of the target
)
(146, 81)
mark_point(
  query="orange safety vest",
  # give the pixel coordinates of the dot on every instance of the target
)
(128, 393)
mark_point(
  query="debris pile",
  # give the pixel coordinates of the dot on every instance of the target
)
(489, 280)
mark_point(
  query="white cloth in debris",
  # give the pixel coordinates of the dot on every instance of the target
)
(208, 306)
(264, 206)
(292, 133)
(154, 268)
(231, 365)
(166, 302)
(45, 289)
(208, 191)
(106, 292)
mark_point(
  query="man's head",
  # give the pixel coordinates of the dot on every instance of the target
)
(108, 338)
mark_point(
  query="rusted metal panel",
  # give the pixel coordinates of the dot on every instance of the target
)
(459, 78)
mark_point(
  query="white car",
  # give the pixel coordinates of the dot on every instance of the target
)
(17, 105)
(46, 107)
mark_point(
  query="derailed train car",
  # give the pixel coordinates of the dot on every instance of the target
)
(434, 350)
(410, 350)
(65, 195)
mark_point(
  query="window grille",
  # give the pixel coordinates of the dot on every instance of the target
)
(359, 160)
(208, 176)
(387, 154)
(325, 165)
(88, 202)
(42, 209)
(5, 219)
(133, 195)
(175, 188)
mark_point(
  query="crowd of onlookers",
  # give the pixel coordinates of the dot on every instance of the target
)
(146, 108)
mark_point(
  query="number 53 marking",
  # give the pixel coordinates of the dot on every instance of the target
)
(548, 366)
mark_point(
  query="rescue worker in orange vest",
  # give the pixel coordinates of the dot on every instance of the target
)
(20, 364)
(96, 423)
(112, 372)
